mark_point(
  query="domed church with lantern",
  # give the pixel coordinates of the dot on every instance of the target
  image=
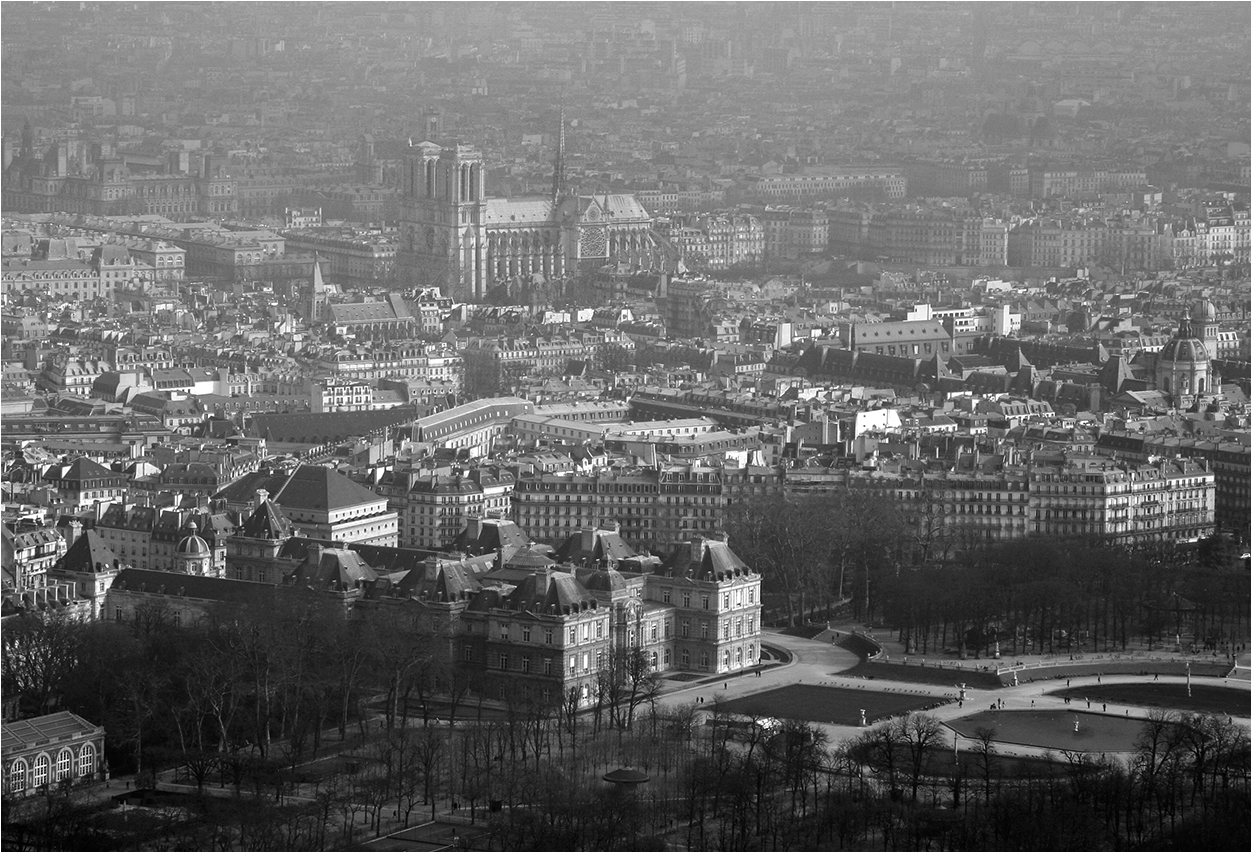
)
(1184, 367)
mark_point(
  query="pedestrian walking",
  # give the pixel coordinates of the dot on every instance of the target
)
(1088, 704)
(1105, 706)
(1032, 703)
(1067, 682)
(1156, 677)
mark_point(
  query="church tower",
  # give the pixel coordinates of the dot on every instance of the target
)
(442, 242)
(316, 301)
(442, 234)
(558, 167)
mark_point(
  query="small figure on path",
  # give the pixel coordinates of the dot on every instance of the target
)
(1075, 724)
(1106, 707)
(1088, 703)
(1156, 676)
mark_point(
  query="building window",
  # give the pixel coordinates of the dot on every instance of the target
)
(685, 628)
(704, 660)
(504, 661)
(704, 602)
(704, 630)
(17, 776)
(686, 658)
(667, 657)
(547, 666)
(573, 636)
(686, 599)
(547, 636)
(726, 631)
(665, 595)
(504, 630)
(726, 601)
(526, 664)
(65, 764)
(526, 633)
(467, 653)
(573, 664)
(42, 767)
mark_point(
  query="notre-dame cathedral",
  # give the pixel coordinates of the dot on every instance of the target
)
(456, 238)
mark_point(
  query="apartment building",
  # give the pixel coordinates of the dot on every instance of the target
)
(656, 507)
(890, 183)
(432, 507)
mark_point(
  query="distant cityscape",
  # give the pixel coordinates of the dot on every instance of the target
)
(506, 328)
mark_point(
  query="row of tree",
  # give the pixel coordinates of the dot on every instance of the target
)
(1029, 594)
(531, 777)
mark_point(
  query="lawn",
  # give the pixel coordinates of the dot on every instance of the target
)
(837, 705)
(946, 676)
(1205, 698)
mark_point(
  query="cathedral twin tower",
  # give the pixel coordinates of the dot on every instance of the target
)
(455, 238)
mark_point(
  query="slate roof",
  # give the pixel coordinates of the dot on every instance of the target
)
(89, 553)
(502, 211)
(338, 569)
(194, 586)
(549, 591)
(267, 522)
(83, 468)
(492, 537)
(606, 545)
(308, 487)
(391, 309)
(321, 426)
(713, 560)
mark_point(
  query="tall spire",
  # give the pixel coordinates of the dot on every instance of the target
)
(558, 167)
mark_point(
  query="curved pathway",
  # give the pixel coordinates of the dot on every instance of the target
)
(821, 662)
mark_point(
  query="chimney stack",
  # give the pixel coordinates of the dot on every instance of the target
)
(261, 497)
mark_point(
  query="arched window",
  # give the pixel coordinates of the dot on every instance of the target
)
(42, 767)
(65, 764)
(17, 776)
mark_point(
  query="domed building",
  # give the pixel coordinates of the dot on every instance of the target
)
(192, 555)
(1184, 367)
(1204, 325)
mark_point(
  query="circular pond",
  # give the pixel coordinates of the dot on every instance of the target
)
(1078, 731)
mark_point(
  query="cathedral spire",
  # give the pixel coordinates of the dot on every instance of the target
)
(558, 167)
